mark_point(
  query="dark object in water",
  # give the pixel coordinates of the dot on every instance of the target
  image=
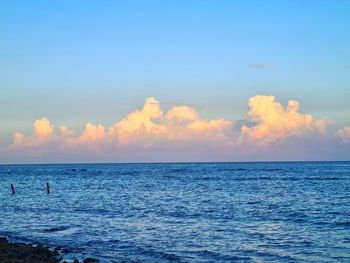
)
(48, 187)
(55, 229)
(16, 252)
(90, 260)
(13, 189)
(25, 253)
(66, 251)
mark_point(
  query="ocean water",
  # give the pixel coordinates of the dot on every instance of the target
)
(191, 212)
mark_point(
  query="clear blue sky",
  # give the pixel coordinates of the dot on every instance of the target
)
(79, 61)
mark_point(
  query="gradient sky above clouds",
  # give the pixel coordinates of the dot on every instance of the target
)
(79, 62)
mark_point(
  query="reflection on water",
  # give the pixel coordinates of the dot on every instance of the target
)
(214, 212)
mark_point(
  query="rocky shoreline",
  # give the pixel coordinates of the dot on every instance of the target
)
(23, 253)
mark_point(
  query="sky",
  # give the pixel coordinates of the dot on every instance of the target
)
(163, 81)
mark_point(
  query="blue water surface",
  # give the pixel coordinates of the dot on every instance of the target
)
(190, 212)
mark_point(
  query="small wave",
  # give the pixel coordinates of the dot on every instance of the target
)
(253, 202)
(220, 257)
(57, 229)
(251, 169)
(278, 178)
(346, 240)
(207, 178)
(181, 170)
(130, 173)
(70, 171)
(299, 220)
(347, 223)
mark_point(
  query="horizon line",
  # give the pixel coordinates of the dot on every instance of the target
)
(178, 162)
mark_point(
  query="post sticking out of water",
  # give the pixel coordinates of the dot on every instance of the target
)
(48, 187)
(13, 189)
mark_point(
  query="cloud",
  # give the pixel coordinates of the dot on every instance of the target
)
(43, 133)
(343, 135)
(275, 123)
(92, 133)
(43, 129)
(140, 124)
(258, 66)
(150, 125)
(182, 114)
(66, 132)
(179, 133)
(183, 123)
(144, 128)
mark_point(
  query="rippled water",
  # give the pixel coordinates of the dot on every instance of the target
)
(207, 212)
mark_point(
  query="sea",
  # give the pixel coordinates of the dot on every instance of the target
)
(182, 212)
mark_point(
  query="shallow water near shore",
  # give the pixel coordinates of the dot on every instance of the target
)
(191, 212)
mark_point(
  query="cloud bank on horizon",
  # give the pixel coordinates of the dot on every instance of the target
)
(180, 134)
